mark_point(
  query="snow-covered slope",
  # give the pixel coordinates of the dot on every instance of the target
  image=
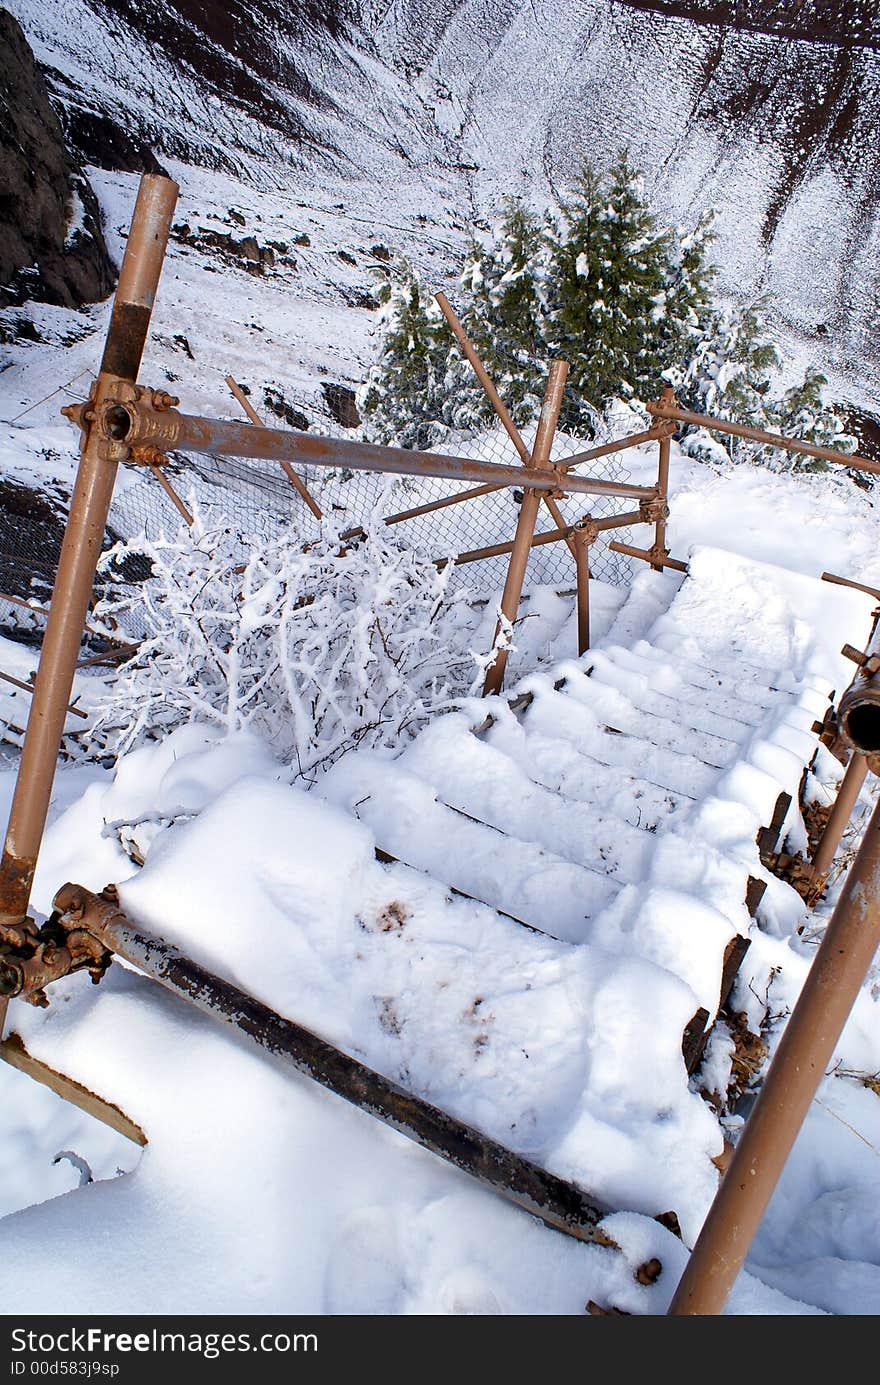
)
(436, 111)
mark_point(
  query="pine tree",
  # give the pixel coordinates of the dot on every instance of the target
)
(609, 290)
(802, 413)
(404, 395)
(505, 281)
(622, 301)
(691, 317)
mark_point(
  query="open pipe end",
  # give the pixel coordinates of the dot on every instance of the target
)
(860, 723)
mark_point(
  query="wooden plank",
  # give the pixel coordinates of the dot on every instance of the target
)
(13, 1052)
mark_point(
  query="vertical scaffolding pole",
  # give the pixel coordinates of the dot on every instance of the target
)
(81, 548)
(525, 525)
(667, 397)
(805, 1049)
(582, 541)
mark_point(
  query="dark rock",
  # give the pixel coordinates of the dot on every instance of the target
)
(380, 252)
(344, 255)
(276, 404)
(340, 401)
(51, 243)
(235, 217)
(302, 239)
(97, 139)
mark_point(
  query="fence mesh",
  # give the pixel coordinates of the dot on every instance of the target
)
(256, 499)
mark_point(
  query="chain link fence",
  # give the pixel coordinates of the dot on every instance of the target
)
(256, 499)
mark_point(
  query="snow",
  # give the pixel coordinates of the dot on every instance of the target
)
(630, 849)
(566, 1048)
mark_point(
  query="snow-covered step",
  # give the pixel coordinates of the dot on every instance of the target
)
(553, 713)
(724, 676)
(470, 774)
(618, 710)
(517, 877)
(581, 780)
(664, 676)
(644, 693)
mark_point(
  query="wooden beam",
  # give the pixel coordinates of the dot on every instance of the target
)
(13, 1052)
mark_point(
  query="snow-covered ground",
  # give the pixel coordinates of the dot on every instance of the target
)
(567, 1047)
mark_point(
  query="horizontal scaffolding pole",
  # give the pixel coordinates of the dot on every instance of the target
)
(848, 582)
(662, 409)
(557, 1203)
(141, 428)
(606, 449)
(648, 555)
(497, 550)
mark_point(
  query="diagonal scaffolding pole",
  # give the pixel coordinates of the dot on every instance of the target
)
(296, 481)
(497, 403)
(559, 1204)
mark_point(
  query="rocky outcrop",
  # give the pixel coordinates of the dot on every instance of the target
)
(51, 244)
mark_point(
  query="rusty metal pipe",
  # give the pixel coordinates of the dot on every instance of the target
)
(557, 1203)
(81, 547)
(484, 377)
(648, 555)
(497, 404)
(296, 481)
(159, 475)
(661, 409)
(847, 794)
(661, 429)
(29, 688)
(848, 582)
(170, 431)
(858, 711)
(525, 526)
(582, 541)
(805, 1049)
(498, 550)
(668, 397)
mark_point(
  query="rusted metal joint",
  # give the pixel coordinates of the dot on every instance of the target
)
(868, 663)
(144, 454)
(586, 529)
(32, 957)
(130, 422)
(558, 492)
(654, 511)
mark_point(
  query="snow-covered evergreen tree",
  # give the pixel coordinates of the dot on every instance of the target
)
(600, 285)
(610, 271)
(691, 317)
(402, 400)
(802, 413)
(505, 281)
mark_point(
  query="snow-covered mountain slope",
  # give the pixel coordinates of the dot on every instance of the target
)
(435, 111)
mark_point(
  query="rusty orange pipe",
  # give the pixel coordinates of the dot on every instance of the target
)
(81, 547)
